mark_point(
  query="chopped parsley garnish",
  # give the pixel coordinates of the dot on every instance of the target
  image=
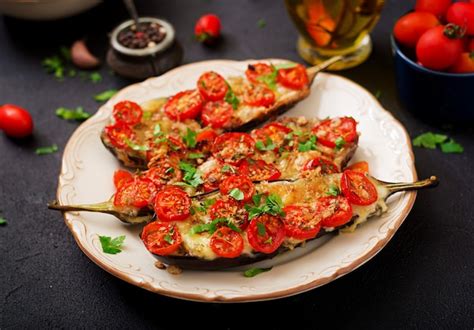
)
(452, 147)
(227, 168)
(105, 95)
(255, 271)
(261, 229)
(310, 144)
(272, 204)
(267, 146)
(196, 155)
(54, 65)
(47, 150)
(431, 140)
(192, 176)
(169, 237)
(204, 205)
(212, 226)
(111, 245)
(157, 130)
(169, 170)
(261, 23)
(72, 114)
(271, 79)
(95, 77)
(236, 194)
(190, 138)
(135, 146)
(231, 98)
(333, 190)
(340, 142)
(3, 221)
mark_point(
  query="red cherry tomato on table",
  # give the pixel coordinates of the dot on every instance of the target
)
(127, 112)
(293, 78)
(266, 233)
(119, 134)
(334, 210)
(259, 170)
(172, 204)
(357, 188)
(322, 165)
(217, 114)
(231, 209)
(439, 47)
(464, 64)
(212, 86)
(139, 193)
(436, 7)
(258, 95)
(240, 182)
(410, 28)
(184, 105)
(227, 243)
(330, 130)
(161, 238)
(462, 14)
(258, 70)
(207, 28)
(15, 121)
(301, 222)
(233, 147)
(121, 177)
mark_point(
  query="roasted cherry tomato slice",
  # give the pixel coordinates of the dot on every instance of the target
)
(322, 165)
(334, 210)
(184, 105)
(266, 233)
(118, 134)
(121, 177)
(293, 78)
(259, 170)
(227, 243)
(208, 135)
(255, 71)
(212, 86)
(258, 95)
(301, 222)
(358, 188)
(233, 147)
(137, 193)
(240, 182)
(231, 209)
(361, 166)
(172, 204)
(214, 177)
(163, 172)
(217, 114)
(329, 131)
(127, 112)
(161, 238)
(276, 132)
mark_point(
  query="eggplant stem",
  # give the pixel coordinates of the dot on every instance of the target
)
(312, 71)
(404, 186)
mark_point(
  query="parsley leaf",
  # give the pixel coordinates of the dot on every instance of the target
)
(282, 66)
(135, 146)
(261, 23)
(190, 138)
(429, 140)
(333, 190)
(271, 79)
(169, 237)
(111, 245)
(231, 98)
(255, 271)
(55, 65)
(3, 221)
(452, 147)
(157, 130)
(212, 226)
(47, 150)
(267, 146)
(204, 205)
(237, 194)
(272, 205)
(105, 95)
(72, 114)
(340, 142)
(95, 77)
(228, 168)
(310, 144)
(192, 176)
(196, 155)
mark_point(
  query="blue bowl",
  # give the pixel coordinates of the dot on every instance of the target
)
(433, 95)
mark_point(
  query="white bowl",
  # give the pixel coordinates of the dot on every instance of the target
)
(45, 9)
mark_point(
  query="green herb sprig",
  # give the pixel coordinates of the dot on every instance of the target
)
(432, 140)
(255, 271)
(72, 114)
(47, 150)
(271, 204)
(111, 245)
(212, 226)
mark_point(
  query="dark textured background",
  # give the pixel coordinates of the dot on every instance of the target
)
(422, 279)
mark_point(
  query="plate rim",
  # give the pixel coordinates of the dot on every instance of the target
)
(196, 297)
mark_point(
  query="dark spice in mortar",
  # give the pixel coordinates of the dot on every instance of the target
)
(148, 35)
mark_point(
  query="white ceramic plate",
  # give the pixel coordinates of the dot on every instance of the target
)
(86, 177)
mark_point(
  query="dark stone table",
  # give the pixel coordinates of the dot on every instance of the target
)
(422, 279)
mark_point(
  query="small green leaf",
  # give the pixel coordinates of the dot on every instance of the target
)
(429, 140)
(111, 245)
(3, 221)
(47, 150)
(340, 142)
(309, 145)
(169, 236)
(286, 65)
(54, 65)
(95, 77)
(72, 114)
(228, 168)
(261, 229)
(333, 191)
(192, 176)
(190, 138)
(196, 155)
(452, 147)
(135, 146)
(231, 98)
(255, 271)
(261, 23)
(105, 95)
(267, 146)
(237, 194)
(157, 130)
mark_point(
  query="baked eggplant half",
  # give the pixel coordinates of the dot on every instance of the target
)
(137, 134)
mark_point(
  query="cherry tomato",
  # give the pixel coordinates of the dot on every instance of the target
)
(301, 222)
(15, 121)
(255, 71)
(214, 177)
(323, 166)
(464, 64)
(207, 135)
(436, 7)
(121, 177)
(462, 14)
(293, 78)
(439, 47)
(217, 114)
(357, 188)
(258, 95)
(409, 28)
(231, 209)
(276, 132)
(227, 243)
(212, 86)
(330, 130)
(137, 193)
(163, 172)
(233, 147)
(361, 166)
(334, 210)
(119, 134)
(240, 182)
(207, 28)
(259, 170)
(172, 204)
(161, 238)
(184, 105)
(266, 233)
(127, 112)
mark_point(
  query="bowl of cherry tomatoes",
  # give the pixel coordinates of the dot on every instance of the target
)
(433, 49)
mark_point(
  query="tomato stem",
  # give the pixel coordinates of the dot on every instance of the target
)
(453, 31)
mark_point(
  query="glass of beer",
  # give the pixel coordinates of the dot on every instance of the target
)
(329, 28)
